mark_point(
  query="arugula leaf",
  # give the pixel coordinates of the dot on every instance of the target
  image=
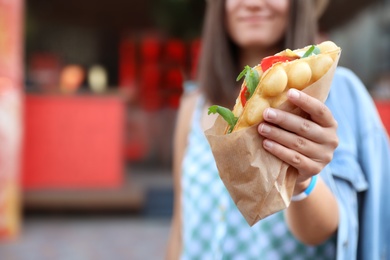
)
(244, 72)
(313, 50)
(252, 79)
(226, 114)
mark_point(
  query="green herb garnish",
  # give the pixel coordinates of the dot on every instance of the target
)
(244, 72)
(252, 79)
(313, 50)
(226, 114)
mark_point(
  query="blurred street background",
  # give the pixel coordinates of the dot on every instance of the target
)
(89, 92)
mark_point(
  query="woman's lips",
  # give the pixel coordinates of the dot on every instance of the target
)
(255, 19)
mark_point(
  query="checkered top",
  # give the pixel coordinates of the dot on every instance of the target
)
(213, 228)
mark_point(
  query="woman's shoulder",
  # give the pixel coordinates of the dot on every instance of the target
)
(345, 77)
(350, 97)
(188, 101)
(345, 72)
(347, 85)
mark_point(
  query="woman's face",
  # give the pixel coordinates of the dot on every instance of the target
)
(256, 23)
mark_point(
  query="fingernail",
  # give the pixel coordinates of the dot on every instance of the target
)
(268, 144)
(265, 128)
(293, 93)
(270, 114)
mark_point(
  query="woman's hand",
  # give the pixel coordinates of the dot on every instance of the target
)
(306, 144)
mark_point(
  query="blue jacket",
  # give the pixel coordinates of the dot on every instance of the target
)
(359, 174)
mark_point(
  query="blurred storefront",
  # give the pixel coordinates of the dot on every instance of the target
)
(103, 82)
(137, 51)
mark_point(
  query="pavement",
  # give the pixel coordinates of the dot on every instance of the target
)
(89, 238)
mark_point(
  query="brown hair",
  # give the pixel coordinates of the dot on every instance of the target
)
(218, 65)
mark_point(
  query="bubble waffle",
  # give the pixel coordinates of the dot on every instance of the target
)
(296, 71)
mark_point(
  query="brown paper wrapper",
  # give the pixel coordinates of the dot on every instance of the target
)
(259, 183)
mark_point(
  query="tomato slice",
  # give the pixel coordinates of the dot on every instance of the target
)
(243, 96)
(267, 62)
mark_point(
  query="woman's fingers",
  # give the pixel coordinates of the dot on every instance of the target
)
(307, 144)
(296, 142)
(302, 126)
(305, 155)
(306, 166)
(317, 110)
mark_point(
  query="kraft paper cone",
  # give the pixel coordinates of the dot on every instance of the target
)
(259, 183)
